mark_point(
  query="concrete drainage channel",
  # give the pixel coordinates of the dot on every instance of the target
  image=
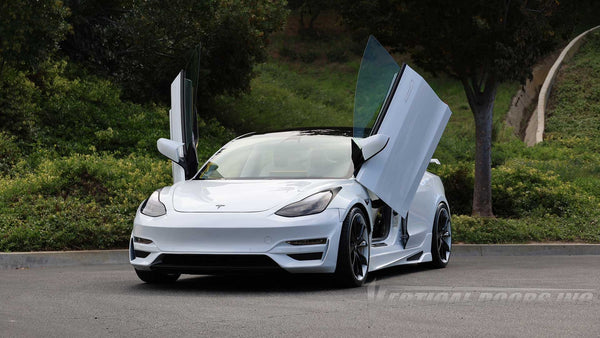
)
(27, 260)
(531, 127)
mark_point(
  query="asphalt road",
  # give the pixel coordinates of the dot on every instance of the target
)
(474, 296)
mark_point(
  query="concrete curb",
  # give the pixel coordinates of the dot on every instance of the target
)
(536, 122)
(26, 260)
(525, 249)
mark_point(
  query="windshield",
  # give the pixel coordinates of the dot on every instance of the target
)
(288, 155)
(375, 78)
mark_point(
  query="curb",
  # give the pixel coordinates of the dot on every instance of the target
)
(26, 260)
(537, 118)
(462, 250)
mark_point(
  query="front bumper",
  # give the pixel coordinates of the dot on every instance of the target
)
(223, 242)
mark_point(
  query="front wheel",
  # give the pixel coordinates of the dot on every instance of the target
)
(354, 250)
(157, 277)
(441, 241)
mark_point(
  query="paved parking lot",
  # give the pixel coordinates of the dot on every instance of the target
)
(474, 296)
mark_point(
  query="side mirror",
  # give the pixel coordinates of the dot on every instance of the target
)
(372, 145)
(171, 149)
(365, 148)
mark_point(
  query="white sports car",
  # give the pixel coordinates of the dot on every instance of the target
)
(323, 200)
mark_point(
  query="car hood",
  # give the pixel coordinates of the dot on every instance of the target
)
(240, 196)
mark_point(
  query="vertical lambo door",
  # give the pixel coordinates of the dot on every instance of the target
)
(398, 111)
(181, 148)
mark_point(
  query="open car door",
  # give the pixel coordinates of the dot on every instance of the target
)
(395, 106)
(183, 119)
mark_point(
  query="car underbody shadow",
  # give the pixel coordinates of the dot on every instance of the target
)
(270, 282)
(397, 271)
(247, 283)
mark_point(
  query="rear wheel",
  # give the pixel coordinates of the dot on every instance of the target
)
(354, 250)
(441, 241)
(157, 277)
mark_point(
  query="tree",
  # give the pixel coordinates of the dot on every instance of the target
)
(30, 31)
(310, 8)
(144, 43)
(480, 42)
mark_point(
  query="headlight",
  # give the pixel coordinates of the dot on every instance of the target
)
(312, 204)
(153, 206)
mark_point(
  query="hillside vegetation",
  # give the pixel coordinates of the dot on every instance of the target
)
(544, 193)
(77, 179)
(79, 159)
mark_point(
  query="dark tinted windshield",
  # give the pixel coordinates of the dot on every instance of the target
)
(291, 155)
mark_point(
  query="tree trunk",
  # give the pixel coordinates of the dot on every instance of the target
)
(482, 106)
(313, 18)
(301, 20)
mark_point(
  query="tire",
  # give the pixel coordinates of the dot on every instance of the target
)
(354, 250)
(156, 277)
(441, 239)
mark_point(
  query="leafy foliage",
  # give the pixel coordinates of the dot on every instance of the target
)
(75, 202)
(85, 114)
(312, 9)
(471, 40)
(142, 44)
(9, 152)
(19, 100)
(30, 31)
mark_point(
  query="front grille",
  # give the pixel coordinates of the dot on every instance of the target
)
(187, 263)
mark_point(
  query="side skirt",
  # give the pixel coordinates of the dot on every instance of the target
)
(393, 255)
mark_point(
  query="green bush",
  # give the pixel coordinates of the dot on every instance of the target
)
(458, 185)
(308, 56)
(9, 152)
(286, 52)
(85, 114)
(520, 190)
(18, 103)
(76, 202)
(582, 227)
(337, 55)
(469, 229)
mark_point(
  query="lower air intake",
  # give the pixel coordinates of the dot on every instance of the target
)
(213, 263)
(306, 256)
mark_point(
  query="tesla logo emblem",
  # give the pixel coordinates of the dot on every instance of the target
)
(219, 206)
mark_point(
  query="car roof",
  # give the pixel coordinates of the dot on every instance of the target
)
(329, 131)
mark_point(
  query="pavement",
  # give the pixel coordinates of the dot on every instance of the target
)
(489, 295)
(19, 260)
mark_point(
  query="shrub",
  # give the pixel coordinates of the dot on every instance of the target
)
(76, 202)
(337, 55)
(87, 114)
(9, 152)
(18, 103)
(487, 230)
(458, 184)
(308, 56)
(519, 189)
(287, 52)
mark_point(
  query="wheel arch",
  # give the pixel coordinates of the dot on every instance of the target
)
(364, 210)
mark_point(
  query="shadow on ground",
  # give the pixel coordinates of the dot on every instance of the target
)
(267, 283)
